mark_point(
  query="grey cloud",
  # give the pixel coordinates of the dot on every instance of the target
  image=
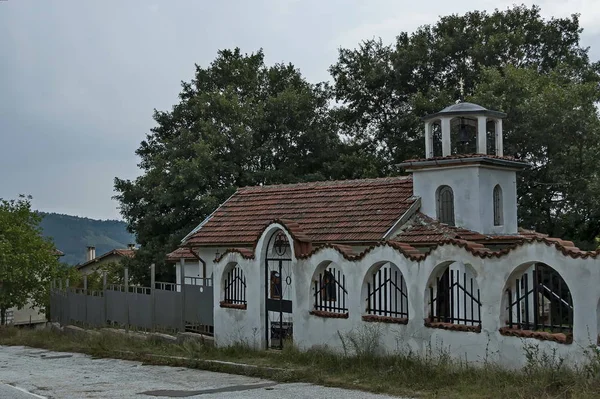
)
(79, 79)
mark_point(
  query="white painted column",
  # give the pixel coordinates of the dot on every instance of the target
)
(428, 140)
(446, 149)
(482, 135)
(178, 270)
(499, 149)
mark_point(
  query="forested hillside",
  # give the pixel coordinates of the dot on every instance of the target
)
(72, 234)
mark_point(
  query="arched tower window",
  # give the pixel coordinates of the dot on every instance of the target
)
(445, 205)
(498, 217)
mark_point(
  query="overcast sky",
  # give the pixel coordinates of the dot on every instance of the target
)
(79, 79)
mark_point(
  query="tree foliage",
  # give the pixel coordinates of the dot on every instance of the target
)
(385, 89)
(28, 261)
(239, 122)
(515, 61)
(114, 271)
(553, 124)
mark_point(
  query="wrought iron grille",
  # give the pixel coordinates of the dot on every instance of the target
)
(330, 291)
(541, 301)
(386, 294)
(235, 287)
(454, 302)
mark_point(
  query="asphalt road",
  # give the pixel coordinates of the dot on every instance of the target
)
(28, 373)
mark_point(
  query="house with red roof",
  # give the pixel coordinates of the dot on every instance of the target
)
(432, 258)
(94, 262)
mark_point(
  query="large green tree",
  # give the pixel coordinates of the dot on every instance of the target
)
(553, 124)
(28, 261)
(549, 94)
(239, 122)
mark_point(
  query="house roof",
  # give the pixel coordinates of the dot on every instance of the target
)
(423, 231)
(182, 253)
(326, 212)
(463, 159)
(128, 253)
(465, 108)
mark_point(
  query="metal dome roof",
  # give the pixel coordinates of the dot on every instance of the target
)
(464, 108)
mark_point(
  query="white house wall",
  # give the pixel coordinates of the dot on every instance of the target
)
(473, 188)
(195, 269)
(236, 325)
(507, 179)
(492, 274)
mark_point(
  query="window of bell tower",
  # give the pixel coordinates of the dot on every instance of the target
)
(445, 205)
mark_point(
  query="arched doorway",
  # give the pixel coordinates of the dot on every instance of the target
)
(278, 290)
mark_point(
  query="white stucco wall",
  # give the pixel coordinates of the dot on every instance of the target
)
(473, 188)
(28, 315)
(492, 274)
(237, 325)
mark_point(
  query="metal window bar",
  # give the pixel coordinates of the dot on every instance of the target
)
(446, 300)
(547, 291)
(330, 292)
(235, 287)
(394, 294)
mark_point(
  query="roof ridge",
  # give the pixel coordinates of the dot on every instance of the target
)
(326, 183)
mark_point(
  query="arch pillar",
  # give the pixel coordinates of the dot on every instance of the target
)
(428, 139)
(499, 144)
(481, 135)
(446, 141)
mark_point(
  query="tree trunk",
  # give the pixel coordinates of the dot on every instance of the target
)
(2, 316)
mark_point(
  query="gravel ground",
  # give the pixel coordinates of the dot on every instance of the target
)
(46, 374)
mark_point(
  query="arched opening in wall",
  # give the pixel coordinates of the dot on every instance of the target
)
(538, 299)
(329, 291)
(278, 289)
(386, 295)
(463, 137)
(453, 297)
(498, 210)
(233, 287)
(490, 133)
(436, 138)
(445, 205)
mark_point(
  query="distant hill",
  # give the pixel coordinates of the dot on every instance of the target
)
(72, 234)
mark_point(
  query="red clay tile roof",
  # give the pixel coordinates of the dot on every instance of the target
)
(185, 253)
(424, 230)
(246, 253)
(325, 212)
(125, 252)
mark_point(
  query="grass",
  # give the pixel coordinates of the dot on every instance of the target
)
(362, 366)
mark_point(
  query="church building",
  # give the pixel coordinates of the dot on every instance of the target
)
(430, 261)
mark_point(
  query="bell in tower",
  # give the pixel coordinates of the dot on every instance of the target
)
(464, 130)
(464, 179)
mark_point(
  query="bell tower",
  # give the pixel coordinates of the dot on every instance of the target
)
(464, 179)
